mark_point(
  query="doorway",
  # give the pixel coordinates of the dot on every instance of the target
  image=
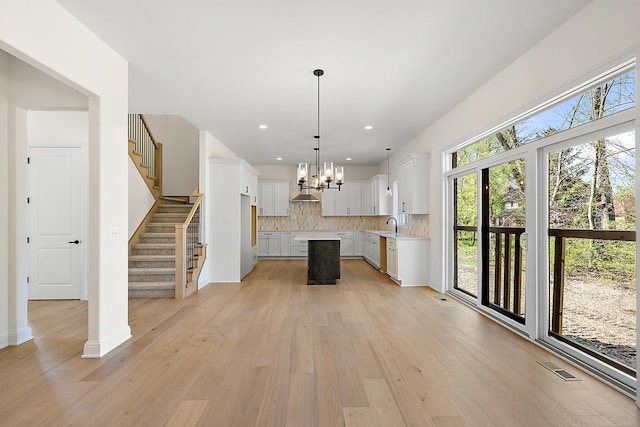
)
(55, 223)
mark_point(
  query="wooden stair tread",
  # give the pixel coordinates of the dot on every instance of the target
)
(152, 270)
(152, 285)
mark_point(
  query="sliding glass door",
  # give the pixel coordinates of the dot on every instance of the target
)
(592, 249)
(465, 232)
(502, 236)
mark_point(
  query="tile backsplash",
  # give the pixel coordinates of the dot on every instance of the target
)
(308, 216)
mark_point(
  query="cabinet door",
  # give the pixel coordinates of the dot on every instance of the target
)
(357, 243)
(405, 175)
(274, 246)
(329, 203)
(266, 199)
(253, 188)
(346, 246)
(263, 246)
(355, 199)
(281, 199)
(367, 198)
(392, 259)
(341, 200)
(285, 244)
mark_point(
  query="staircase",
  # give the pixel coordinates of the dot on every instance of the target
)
(152, 265)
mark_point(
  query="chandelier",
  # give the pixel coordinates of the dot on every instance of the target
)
(321, 177)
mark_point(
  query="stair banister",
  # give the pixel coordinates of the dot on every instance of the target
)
(190, 253)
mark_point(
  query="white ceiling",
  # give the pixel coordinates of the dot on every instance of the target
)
(228, 66)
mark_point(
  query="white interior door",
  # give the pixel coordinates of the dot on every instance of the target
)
(55, 255)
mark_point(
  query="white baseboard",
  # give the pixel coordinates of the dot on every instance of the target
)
(20, 337)
(96, 349)
(4, 341)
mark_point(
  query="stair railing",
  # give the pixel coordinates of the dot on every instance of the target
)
(146, 145)
(190, 253)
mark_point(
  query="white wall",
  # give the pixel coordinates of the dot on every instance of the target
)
(180, 148)
(586, 44)
(42, 34)
(210, 148)
(4, 198)
(140, 198)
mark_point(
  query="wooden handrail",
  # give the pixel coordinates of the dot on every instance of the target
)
(184, 261)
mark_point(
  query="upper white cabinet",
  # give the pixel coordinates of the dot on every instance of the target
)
(413, 184)
(273, 198)
(381, 204)
(249, 182)
(346, 202)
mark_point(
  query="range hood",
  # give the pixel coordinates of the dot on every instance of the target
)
(305, 197)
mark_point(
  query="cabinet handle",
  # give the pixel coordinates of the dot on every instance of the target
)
(402, 206)
(261, 211)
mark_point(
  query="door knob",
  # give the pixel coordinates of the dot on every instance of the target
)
(75, 242)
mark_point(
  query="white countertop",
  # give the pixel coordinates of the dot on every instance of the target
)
(316, 235)
(392, 235)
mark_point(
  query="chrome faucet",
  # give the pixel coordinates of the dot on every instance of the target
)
(396, 221)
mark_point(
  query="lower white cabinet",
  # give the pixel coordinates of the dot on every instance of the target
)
(392, 258)
(357, 243)
(371, 248)
(285, 243)
(407, 261)
(346, 243)
(298, 247)
(269, 243)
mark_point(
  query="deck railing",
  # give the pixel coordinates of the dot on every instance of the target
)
(560, 236)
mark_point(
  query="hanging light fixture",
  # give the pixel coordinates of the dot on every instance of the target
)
(388, 192)
(322, 176)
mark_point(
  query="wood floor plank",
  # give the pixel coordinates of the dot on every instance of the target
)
(188, 413)
(272, 351)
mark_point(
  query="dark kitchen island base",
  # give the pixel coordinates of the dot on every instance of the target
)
(323, 262)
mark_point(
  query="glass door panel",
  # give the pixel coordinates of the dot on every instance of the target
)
(592, 249)
(503, 231)
(465, 230)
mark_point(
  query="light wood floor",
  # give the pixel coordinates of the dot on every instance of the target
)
(272, 351)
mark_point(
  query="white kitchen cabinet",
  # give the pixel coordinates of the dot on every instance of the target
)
(413, 184)
(249, 183)
(299, 248)
(269, 243)
(371, 248)
(285, 243)
(346, 202)
(381, 204)
(408, 261)
(273, 198)
(367, 198)
(392, 259)
(346, 242)
(227, 206)
(357, 243)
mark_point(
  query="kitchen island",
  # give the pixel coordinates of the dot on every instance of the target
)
(323, 259)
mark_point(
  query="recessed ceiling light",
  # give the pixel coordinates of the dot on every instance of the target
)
(368, 127)
(263, 126)
(278, 158)
(348, 159)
